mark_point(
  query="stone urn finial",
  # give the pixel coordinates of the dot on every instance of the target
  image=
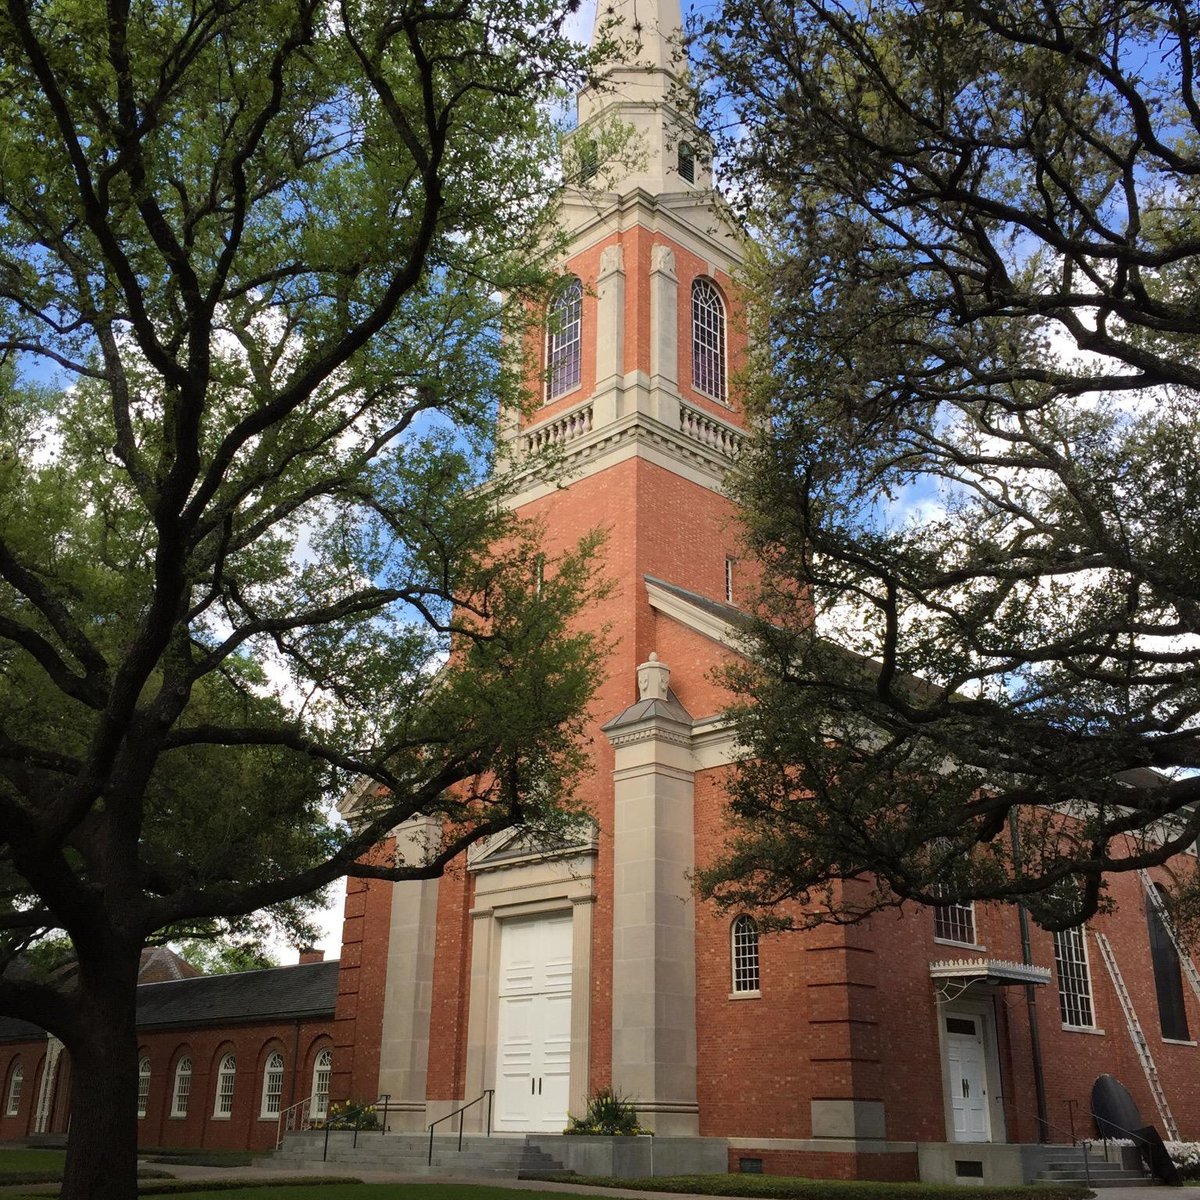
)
(654, 679)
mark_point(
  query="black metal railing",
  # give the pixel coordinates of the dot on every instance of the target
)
(458, 1112)
(1085, 1144)
(349, 1120)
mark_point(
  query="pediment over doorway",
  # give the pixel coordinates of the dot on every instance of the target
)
(522, 844)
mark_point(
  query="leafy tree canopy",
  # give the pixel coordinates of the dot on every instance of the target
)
(224, 958)
(977, 485)
(254, 256)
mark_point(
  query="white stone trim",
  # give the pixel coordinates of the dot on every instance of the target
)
(408, 986)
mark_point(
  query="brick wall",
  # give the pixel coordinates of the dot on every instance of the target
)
(358, 1017)
(245, 1128)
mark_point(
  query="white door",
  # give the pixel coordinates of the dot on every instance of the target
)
(968, 1077)
(533, 1068)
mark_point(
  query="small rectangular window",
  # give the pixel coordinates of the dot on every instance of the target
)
(730, 569)
(955, 923)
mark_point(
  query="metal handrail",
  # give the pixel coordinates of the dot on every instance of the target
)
(1085, 1143)
(458, 1112)
(294, 1119)
(344, 1116)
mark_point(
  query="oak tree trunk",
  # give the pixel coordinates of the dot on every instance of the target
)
(102, 1142)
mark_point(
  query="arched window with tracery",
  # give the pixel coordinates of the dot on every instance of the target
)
(708, 339)
(272, 1089)
(564, 340)
(16, 1082)
(143, 1095)
(322, 1072)
(226, 1078)
(182, 1089)
(744, 954)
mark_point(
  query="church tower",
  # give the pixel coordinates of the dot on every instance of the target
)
(547, 977)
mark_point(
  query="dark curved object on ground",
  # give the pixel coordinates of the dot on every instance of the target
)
(1113, 1108)
(1116, 1116)
(1154, 1155)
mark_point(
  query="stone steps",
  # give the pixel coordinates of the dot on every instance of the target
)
(408, 1154)
(1066, 1165)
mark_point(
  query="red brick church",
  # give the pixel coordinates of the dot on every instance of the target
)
(909, 1046)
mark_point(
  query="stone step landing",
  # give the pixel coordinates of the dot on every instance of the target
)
(408, 1154)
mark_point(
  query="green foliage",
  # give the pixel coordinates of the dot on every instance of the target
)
(350, 1114)
(977, 480)
(224, 958)
(608, 1114)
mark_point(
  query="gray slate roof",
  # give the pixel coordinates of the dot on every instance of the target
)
(12, 1030)
(278, 993)
(305, 990)
(728, 613)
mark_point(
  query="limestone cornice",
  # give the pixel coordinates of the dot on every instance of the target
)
(651, 731)
(699, 220)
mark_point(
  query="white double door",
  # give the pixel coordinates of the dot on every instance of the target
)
(967, 1075)
(533, 1061)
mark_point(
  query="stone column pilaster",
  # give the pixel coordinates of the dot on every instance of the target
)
(664, 337)
(610, 336)
(408, 996)
(654, 940)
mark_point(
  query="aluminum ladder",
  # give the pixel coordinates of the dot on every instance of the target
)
(1138, 1037)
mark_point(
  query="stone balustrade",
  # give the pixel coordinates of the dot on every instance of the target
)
(560, 431)
(716, 435)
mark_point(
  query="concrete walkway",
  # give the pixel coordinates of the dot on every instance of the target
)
(268, 1170)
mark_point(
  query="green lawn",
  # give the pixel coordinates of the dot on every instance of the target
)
(18, 1162)
(765, 1187)
(782, 1187)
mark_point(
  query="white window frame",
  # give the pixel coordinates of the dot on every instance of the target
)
(564, 340)
(744, 963)
(1074, 972)
(709, 340)
(322, 1074)
(16, 1083)
(143, 1092)
(226, 1082)
(949, 920)
(272, 1088)
(181, 1087)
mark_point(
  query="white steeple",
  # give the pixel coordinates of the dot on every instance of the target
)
(643, 88)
